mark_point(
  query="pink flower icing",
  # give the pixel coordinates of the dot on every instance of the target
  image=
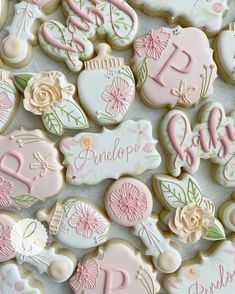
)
(218, 7)
(5, 192)
(5, 240)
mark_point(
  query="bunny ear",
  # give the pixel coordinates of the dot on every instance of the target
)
(21, 80)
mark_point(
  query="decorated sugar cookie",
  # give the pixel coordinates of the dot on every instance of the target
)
(115, 268)
(9, 98)
(15, 279)
(29, 169)
(114, 20)
(203, 14)
(225, 53)
(212, 137)
(91, 157)
(76, 223)
(3, 12)
(26, 240)
(109, 99)
(50, 95)
(129, 203)
(227, 213)
(211, 272)
(167, 62)
(189, 215)
(17, 48)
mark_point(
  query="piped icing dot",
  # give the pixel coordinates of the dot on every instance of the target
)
(58, 270)
(168, 261)
(12, 46)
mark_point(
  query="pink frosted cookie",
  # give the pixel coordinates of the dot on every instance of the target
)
(129, 203)
(76, 223)
(29, 169)
(170, 69)
(115, 268)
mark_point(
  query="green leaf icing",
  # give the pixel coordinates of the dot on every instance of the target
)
(173, 193)
(25, 200)
(21, 80)
(142, 72)
(52, 123)
(215, 232)
(194, 192)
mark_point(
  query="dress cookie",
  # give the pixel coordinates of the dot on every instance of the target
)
(189, 215)
(227, 213)
(211, 272)
(17, 48)
(9, 99)
(90, 158)
(114, 20)
(167, 62)
(29, 169)
(109, 99)
(212, 137)
(3, 12)
(50, 95)
(203, 14)
(76, 223)
(115, 268)
(129, 203)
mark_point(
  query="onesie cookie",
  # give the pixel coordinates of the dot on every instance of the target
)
(212, 137)
(87, 20)
(76, 223)
(189, 215)
(212, 271)
(129, 203)
(203, 14)
(112, 92)
(9, 99)
(115, 268)
(3, 12)
(169, 68)
(30, 169)
(227, 213)
(50, 95)
(90, 157)
(17, 48)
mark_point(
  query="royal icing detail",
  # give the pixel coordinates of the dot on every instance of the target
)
(29, 169)
(113, 19)
(91, 158)
(3, 12)
(129, 203)
(166, 61)
(214, 274)
(115, 268)
(203, 14)
(227, 213)
(9, 98)
(76, 223)
(49, 95)
(211, 138)
(112, 94)
(188, 213)
(16, 48)
(225, 53)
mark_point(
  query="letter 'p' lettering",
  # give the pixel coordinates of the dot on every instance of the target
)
(109, 280)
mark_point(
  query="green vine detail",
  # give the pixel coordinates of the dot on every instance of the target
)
(68, 205)
(126, 71)
(25, 200)
(142, 72)
(104, 116)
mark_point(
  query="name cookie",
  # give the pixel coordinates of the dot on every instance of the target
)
(116, 267)
(91, 158)
(189, 215)
(76, 223)
(227, 213)
(212, 272)
(129, 203)
(203, 14)
(17, 48)
(166, 61)
(86, 20)
(212, 137)
(29, 169)
(50, 95)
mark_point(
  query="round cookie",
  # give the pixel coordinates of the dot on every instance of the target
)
(227, 214)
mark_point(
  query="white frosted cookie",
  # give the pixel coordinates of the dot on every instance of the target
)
(3, 12)
(227, 214)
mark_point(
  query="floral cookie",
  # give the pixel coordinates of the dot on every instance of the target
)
(86, 20)
(225, 53)
(189, 215)
(9, 98)
(16, 49)
(227, 213)
(212, 137)
(203, 14)
(3, 12)
(76, 223)
(50, 95)
(115, 268)
(14, 279)
(109, 99)
(129, 203)
(29, 169)
(91, 158)
(211, 272)
(167, 62)
(25, 239)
